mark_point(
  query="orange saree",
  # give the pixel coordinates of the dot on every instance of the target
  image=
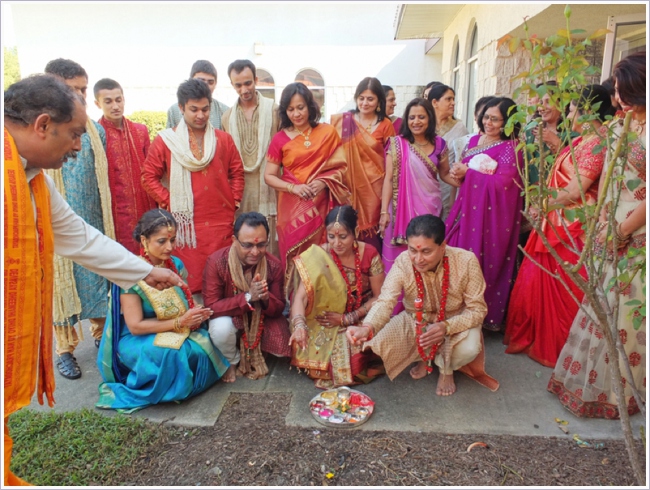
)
(28, 285)
(364, 152)
(301, 222)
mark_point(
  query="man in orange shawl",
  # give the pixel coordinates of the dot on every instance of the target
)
(44, 120)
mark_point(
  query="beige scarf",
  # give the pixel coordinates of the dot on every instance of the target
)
(181, 198)
(252, 364)
(267, 204)
(66, 299)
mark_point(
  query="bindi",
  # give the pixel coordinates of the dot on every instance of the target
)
(257, 240)
(418, 247)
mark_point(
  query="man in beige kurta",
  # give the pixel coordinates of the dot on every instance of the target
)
(252, 122)
(394, 339)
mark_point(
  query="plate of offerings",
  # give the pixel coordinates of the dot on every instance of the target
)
(341, 407)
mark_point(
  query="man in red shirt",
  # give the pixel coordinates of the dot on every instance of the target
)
(203, 180)
(127, 145)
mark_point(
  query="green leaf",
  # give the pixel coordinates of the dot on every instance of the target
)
(633, 184)
(570, 214)
(633, 302)
(578, 31)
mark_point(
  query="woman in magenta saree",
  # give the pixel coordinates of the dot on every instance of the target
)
(415, 160)
(485, 217)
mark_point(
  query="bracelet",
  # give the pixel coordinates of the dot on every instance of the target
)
(620, 238)
(384, 212)
(177, 324)
(290, 188)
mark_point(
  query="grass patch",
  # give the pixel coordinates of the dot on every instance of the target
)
(77, 448)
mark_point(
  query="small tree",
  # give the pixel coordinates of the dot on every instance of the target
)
(562, 58)
(11, 66)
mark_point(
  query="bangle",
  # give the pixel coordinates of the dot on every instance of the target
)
(619, 236)
(384, 212)
(177, 324)
(290, 188)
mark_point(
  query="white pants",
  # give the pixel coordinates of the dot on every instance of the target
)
(463, 352)
(223, 335)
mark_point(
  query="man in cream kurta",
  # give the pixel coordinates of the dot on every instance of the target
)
(252, 122)
(459, 334)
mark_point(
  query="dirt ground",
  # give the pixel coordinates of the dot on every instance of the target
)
(251, 445)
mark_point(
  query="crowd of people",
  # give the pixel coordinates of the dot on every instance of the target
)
(238, 229)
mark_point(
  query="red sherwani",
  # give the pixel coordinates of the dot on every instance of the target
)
(216, 189)
(219, 296)
(126, 150)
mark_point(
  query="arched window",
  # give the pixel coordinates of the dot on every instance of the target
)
(315, 83)
(472, 78)
(455, 66)
(265, 83)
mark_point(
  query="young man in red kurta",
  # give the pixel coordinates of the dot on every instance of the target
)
(243, 285)
(127, 145)
(203, 180)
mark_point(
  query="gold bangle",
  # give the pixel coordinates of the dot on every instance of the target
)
(290, 188)
(384, 212)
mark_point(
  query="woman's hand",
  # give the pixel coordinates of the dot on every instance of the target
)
(300, 336)
(329, 319)
(303, 191)
(194, 317)
(316, 187)
(358, 335)
(384, 221)
(534, 213)
(458, 171)
(551, 139)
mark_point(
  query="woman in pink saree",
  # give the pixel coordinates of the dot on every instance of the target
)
(415, 161)
(486, 216)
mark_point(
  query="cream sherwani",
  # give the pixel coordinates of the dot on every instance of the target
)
(78, 241)
(394, 339)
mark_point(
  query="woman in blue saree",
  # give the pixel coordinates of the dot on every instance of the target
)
(154, 348)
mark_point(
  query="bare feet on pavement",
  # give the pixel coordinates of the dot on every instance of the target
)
(230, 376)
(419, 370)
(446, 385)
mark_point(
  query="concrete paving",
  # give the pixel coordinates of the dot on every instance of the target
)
(521, 406)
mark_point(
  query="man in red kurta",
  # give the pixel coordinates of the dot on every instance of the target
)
(243, 285)
(195, 171)
(127, 145)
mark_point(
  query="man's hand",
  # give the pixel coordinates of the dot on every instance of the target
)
(358, 335)
(259, 289)
(161, 278)
(434, 334)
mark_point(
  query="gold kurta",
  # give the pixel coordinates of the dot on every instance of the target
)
(394, 339)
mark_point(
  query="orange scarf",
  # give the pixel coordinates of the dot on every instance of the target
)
(28, 283)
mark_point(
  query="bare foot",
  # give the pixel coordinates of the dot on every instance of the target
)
(230, 376)
(446, 385)
(419, 370)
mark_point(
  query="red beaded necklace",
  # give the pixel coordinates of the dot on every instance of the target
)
(419, 302)
(244, 336)
(353, 302)
(169, 264)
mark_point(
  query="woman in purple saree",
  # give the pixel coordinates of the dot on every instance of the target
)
(485, 218)
(415, 161)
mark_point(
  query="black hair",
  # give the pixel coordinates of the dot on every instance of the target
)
(203, 66)
(593, 94)
(609, 86)
(374, 85)
(151, 222)
(428, 226)
(504, 105)
(106, 84)
(629, 74)
(347, 216)
(387, 88)
(40, 94)
(481, 102)
(298, 88)
(66, 69)
(252, 219)
(429, 85)
(193, 89)
(430, 133)
(239, 66)
(438, 90)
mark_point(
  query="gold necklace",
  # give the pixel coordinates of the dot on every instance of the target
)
(369, 126)
(420, 144)
(306, 136)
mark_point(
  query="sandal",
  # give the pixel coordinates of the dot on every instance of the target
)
(68, 367)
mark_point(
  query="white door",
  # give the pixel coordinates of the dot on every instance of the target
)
(628, 35)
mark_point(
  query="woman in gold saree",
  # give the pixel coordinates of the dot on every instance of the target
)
(305, 164)
(321, 314)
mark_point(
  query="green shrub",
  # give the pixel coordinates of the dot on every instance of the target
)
(155, 121)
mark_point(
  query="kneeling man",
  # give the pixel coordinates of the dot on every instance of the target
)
(244, 286)
(443, 277)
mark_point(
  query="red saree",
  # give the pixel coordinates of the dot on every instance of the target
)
(301, 222)
(364, 153)
(540, 327)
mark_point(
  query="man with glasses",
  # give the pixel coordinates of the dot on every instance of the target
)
(243, 285)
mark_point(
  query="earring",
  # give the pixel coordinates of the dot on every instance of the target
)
(144, 250)
(585, 126)
(355, 245)
(378, 110)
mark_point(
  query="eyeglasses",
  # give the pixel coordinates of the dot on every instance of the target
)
(249, 246)
(492, 119)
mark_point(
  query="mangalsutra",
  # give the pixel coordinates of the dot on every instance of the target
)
(306, 136)
(421, 145)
